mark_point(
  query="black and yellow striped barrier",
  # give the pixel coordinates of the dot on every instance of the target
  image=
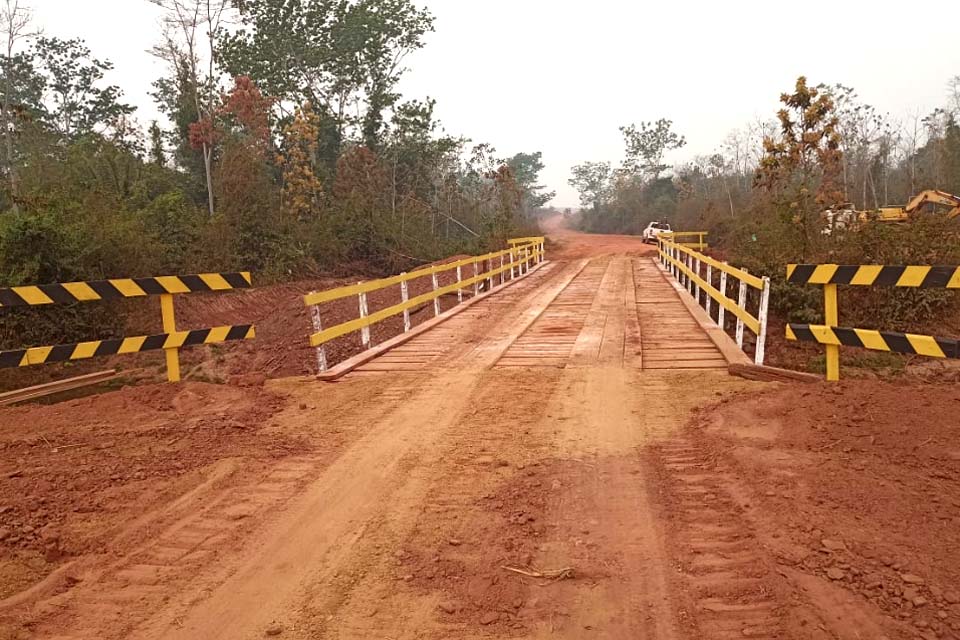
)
(909, 343)
(833, 337)
(166, 287)
(72, 292)
(99, 348)
(921, 277)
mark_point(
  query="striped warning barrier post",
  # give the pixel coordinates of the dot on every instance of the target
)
(832, 336)
(921, 277)
(119, 346)
(166, 287)
(72, 292)
(908, 343)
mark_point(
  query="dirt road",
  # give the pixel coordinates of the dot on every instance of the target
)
(531, 469)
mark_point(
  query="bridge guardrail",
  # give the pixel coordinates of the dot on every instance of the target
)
(166, 287)
(830, 276)
(677, 236)
(686, 265)
(523, 255)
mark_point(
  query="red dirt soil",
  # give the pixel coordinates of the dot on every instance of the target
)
(688, 505)
(855, 483)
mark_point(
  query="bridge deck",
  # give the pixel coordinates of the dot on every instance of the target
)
(616, 311)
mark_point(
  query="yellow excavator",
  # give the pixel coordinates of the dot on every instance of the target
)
(845, 215)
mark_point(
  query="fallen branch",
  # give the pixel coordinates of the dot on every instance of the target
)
(551, 576)
(828, 446)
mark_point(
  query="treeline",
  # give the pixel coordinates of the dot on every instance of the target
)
(288, 150)
(762, 195)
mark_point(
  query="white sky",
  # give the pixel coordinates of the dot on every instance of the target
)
(560, 76)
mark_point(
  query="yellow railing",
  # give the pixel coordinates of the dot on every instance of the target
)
(688, 267)
(514, 262)
(830, 276)
(679, 237)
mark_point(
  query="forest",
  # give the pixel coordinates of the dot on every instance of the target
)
(762, 194)
(288, 151)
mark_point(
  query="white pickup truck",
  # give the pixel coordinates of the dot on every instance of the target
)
(653, 230)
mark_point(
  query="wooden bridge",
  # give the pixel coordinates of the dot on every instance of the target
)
(622, 311)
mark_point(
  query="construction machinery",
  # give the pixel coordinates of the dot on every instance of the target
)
(845, 215)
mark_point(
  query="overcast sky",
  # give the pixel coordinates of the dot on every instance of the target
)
(560, 76)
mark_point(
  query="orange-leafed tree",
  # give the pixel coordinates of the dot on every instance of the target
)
(297, 158)
(802, 167)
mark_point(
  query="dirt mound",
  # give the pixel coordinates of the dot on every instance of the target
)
(72, 473)
(857, 484)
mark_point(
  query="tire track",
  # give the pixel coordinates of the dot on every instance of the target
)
(725, 571)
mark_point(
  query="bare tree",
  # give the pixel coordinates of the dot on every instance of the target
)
(15, 25)
(189, 27)
(953, 86)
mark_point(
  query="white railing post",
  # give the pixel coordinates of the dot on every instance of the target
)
(476, 283)
(404, 297)
(436, 301)
(317, 328)
(722, 310)
(513, 273)
(459, 279)
(709, 297)
(742, 303)
(689, 269)
(696, 270)
(364, 312)
(501, 269)
(490, 277)
(762, 335)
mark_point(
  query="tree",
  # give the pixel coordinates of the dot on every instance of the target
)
(79, 104)
(157, 154)
(593, 181)
(14, 24)
(187, 23)
(647, 145)
(298, 160)
(526, 169)
(802, 168)
(345, 57)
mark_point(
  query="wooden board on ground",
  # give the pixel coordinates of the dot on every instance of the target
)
(771, 374)
(50, 388)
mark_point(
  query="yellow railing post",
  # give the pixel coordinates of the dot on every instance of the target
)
(170, 326)
(831, 314)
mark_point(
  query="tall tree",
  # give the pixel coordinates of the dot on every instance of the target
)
(526, 169)
(593, 181)
(79, 104)
(15, 25)
(647, 146)
(190, 40)
(158, 155)
(802, 167)
(344, 56)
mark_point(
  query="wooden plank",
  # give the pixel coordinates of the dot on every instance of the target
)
(697, 364)
(771, 374)
(50, 388)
